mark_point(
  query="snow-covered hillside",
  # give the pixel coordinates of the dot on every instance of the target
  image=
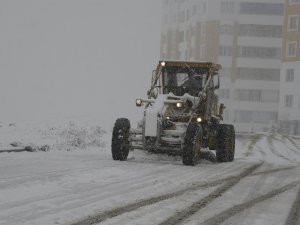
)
(86, 186)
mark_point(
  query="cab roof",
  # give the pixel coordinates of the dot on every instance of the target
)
(192, 64)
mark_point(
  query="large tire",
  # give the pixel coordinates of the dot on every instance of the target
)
(192, 144)
(232, 139)
(225, 143)
(120, 139)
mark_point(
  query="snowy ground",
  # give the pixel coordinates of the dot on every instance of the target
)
(87, 187)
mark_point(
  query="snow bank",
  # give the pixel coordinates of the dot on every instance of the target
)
(66, 136)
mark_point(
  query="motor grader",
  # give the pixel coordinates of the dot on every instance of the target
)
(182, 116)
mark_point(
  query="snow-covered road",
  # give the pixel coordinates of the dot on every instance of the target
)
(87, 187)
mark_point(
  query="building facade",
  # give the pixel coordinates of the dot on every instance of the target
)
(289, 107)
(245, 37)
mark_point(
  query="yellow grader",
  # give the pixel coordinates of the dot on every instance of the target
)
(182, 116)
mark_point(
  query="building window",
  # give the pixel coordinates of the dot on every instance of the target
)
(225, 93)
(259, 52)
(226, 115)
(291, 49)
(202, 50)
(255, 30)
(253, 95)
(294, 1)
(202, 29)
(194, 10)
(225, 72)
(289, 75)
(181, 36)
(225, 51)
(256, 8)
(187, 35)
(288, 101)
(181, 17)
(188, 15)
(293, 23)
(174, 18)
(245, 73)
(244, 116)
(226, 29)
(227, 7)
(165, 19)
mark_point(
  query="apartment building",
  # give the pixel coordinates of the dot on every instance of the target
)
(245, 37)
(289, 107)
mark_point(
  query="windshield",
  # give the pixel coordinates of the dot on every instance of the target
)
(181, 82)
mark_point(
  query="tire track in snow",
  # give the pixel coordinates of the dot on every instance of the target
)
(29, 178)
(64, 196)
(195, 186)
(42, 174)
(91, 194)
(228, 213)
(272, 148)
(290, 139)
(72, 199)
(195, 207)
(144, 202)
(274, 170)
(253, 140)
(294, 215)
(131, 207)
(262, 179)
(261, 151)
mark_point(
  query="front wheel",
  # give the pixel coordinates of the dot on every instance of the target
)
(120, 139)
(192, 144)
(225, 143)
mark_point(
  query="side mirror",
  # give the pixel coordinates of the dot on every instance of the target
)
(153, 77)
(221, 110)
(216, 81)
(152, 93)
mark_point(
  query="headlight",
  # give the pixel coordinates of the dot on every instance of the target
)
(179, 104)
(162, 64)
(199, 119)
(138, 102)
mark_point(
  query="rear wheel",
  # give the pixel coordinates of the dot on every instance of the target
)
(232, 142)
(225, 143)
(192, 144)
(120, 139)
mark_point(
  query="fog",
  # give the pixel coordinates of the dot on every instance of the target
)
(75, 58)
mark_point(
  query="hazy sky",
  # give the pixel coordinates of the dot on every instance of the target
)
(76, 57)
